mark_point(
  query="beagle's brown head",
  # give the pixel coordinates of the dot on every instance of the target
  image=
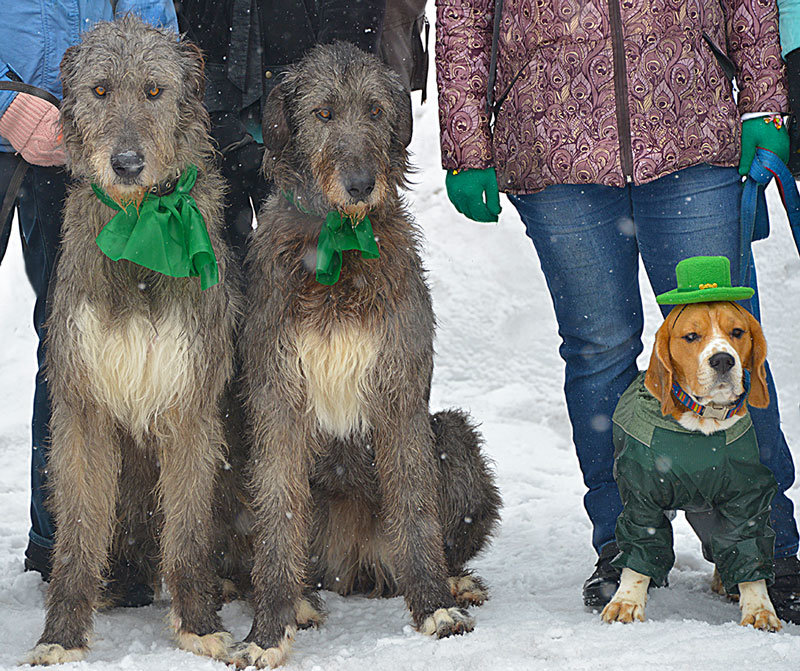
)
(704, 347)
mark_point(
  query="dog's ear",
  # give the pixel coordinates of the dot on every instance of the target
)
(759, 394)
(401, 128)
(658, 378)
(274, 128)
(194, 68)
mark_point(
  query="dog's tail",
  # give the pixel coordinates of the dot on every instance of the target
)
(470, 501)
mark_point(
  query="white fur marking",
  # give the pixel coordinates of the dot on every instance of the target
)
(335, 368)
(138, 369)
(447, 621)
(46, 654)
(710, 390)
(757, 609)
(629, 601)
(214, 645)
(251, 654)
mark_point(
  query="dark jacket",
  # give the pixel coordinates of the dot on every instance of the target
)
(284, 29)
(660, 466)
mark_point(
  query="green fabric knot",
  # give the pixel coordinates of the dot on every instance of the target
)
(339, 233)
(166, 234)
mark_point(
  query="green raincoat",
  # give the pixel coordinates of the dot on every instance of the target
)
(660, 466)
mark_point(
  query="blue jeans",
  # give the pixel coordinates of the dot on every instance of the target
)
(39, 205)
(589, 240)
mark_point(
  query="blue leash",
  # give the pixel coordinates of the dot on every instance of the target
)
(753, 217)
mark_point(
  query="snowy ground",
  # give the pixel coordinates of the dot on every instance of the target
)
(497, 356)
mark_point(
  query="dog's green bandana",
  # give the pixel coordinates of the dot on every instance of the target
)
(340, 232)
(165, 233)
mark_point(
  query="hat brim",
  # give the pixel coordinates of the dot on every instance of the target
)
(677, 297)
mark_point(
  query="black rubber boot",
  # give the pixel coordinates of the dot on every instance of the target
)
(603, 583)
(37, 558)
(785, 591)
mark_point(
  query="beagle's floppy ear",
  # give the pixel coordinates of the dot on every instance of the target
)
(658, 378)
(759, 395)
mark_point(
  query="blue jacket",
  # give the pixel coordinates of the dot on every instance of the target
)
(34, 34)
(789, 12)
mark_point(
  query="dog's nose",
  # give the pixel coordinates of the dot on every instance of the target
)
(721, 362)
(127, 163)
(360, 185)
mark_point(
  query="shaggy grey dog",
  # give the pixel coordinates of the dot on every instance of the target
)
(137, 360)
(356, 486)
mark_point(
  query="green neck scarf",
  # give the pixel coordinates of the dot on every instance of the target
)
(165, 233)
(340, 232)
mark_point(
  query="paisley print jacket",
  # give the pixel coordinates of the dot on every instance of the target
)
(603, 91)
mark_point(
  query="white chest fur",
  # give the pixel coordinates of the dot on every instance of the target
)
(335, 368)
(136, 368)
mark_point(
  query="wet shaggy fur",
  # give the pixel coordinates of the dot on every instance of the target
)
(357, 488)
(137, 361)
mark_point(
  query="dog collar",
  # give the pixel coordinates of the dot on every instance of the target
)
(712, 410)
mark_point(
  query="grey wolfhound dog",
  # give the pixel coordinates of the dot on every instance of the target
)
(356, 487)
(137, 360)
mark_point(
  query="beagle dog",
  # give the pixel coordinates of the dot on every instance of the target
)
(703, 355)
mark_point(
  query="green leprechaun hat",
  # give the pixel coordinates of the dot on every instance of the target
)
(703, 279)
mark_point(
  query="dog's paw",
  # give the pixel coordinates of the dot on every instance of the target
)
(46, 654)
(764, 619)
(446, 622)
(216, 645)
(308, 615)
(623, 611)
(468, 590)
(250, 654)
(719, 588)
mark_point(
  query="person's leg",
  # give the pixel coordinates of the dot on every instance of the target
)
(41, 200)
(695, 212)
(584, 238)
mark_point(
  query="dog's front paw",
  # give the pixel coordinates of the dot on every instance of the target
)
(468, 590)
(216, 645)
(46, 654)
(446, 622)
(619, 610)
(756, 606)
(762, 619)
(250, 654)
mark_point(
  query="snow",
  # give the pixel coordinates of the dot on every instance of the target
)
(496, 356)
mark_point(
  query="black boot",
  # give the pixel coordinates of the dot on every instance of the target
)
(38, 558)
(785, 591)
(603, 583)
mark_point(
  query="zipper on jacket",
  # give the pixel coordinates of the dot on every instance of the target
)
(621, 90)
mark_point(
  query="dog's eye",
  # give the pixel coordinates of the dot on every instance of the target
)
(153, 92)
(100, 91)
(691, 337)
(376, 112)
(737, 333)
(324, 113)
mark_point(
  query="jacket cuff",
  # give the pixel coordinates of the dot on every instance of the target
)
(7, 96)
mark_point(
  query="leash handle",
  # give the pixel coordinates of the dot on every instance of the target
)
(764, 167)
(22, 87)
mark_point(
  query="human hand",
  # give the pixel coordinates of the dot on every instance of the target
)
(32, 127)
(466, 189)
(767, 132)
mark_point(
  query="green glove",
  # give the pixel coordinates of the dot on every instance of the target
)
(768, 132)
(466, 190)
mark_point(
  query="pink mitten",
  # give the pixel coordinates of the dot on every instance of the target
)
(31, 125)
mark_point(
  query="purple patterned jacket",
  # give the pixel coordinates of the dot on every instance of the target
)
(568, 119)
